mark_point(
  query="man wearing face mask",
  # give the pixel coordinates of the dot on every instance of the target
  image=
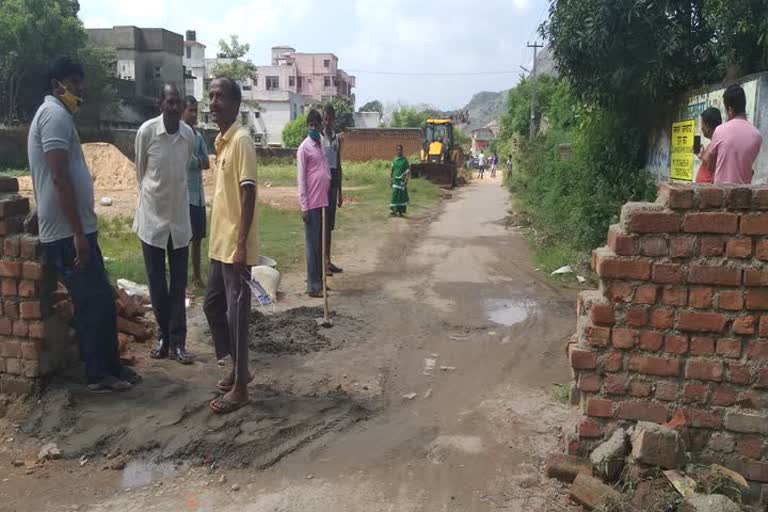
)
(65, 206)
(164, 149)
(314, 180)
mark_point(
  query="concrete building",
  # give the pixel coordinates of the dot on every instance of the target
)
(367, 119)
(194, 66)
(481, 139)
(275, 110)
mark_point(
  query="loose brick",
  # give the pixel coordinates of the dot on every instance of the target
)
(702, 369)
(13, 205)
(11, 225)
(761, 378)
(610, 362)
(624, 338)
(757, 351)
(668, 273)
(616, 384)
(602, 314)
(682, 246)
(739, 198)
(729, 347)
(653, 365)
(739, 248)
(763, 331)
(9, 287)
(11, 309)
(20, 328)
(676, 197)
(654, 246)
(598, 336)
(709, 197)
(640, 389)
(675, 297)
(754, 224)
(750, 446)
(641, 411)
(667, 391)
(14, 366)
(10, 348)
(754, 277)
(699, 418)
(711, 222)
(663, 318)
(739, 373)
(711, 246)
(10, 269)
(621, 243)
(30, 350)
(9, 184)
(11, 246)
(31, 310)
(590, 382)
(722, 442)
(32, 270)
(599, 408)
(751, 400)
(724, 396)
(619, 291)
(30, 247)
(583, 359)
(761, 250)
(36, 330)
(757, 299)
(614, 268)
(695, 393)
(701, 346)
(644, 222)
(746, 423)
(701, 322)
(646, 294)
(27, 289)
(701, 298)
(6, 326)
(744, 325)
(590, 429)
(676, 344)
(720, 276)
(760, 198)
(731, 300)
(651, 340)
(636, 316)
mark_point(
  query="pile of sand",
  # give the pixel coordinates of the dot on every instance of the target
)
(111, 170)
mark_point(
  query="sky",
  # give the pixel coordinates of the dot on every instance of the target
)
(402, 36)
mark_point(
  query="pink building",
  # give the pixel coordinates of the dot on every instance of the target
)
(316, 76)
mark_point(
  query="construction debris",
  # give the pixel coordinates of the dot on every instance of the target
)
(657, 445)
(709, 503)
(567, 467)
(684, 485)
(591, 492)
(608, 459)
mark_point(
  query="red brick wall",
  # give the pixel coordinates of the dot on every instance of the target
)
(363, 145)
(678, 329)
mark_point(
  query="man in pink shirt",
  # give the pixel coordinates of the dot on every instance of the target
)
(736, 143)
(314, 180)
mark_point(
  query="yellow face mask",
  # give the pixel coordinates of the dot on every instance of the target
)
(69, 100)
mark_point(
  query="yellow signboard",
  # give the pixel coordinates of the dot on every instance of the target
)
(682, 150)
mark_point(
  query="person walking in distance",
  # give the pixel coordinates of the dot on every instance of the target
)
(481, 165)
(494, 164)
(164, 149)
(314, 180)
(332, 148)
(233, 243)
(64, 195)
(509, 166)
(398, 180)
(199, 163)
(735, 144)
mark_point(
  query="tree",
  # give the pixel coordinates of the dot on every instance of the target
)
(408, 117)
(234, 66)
(460, 137)
(100, 94)
(234, 49)
(516, 119)
(344, 110)
(372, 106)
(31, 32)
(295, 132)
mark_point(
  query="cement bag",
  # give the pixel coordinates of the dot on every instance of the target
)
(268, 278)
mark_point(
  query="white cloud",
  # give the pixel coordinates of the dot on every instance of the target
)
(520, 4)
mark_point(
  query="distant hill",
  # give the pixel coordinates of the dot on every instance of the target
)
(484, 107)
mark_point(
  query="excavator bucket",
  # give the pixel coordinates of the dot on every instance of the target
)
(444, 175)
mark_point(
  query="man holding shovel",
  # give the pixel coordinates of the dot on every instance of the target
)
(314, 180)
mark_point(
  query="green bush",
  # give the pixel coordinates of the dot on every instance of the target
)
(295, 132)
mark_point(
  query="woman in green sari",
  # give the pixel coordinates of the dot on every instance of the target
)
(401, 173)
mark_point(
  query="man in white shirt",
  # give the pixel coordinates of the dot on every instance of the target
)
(481, 165)
(164, 149)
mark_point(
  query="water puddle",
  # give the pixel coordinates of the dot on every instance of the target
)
(143, 473)
(509, 311)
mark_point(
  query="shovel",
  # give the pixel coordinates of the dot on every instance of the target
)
(326, 320)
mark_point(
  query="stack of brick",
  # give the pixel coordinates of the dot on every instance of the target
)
(32, 343)
(678, 330)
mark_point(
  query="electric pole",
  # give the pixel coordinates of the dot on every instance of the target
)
(532, 126)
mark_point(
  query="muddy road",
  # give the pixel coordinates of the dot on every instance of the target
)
(433, 391)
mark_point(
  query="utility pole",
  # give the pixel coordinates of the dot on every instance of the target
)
(532, 126)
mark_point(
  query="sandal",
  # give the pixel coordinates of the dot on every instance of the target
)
(108, 384)
(222, 385)
(222, 406)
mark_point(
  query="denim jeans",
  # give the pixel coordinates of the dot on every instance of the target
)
(94, 304)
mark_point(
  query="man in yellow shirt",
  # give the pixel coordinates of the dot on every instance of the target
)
(233, 245)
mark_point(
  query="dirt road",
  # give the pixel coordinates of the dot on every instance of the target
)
(432, 392)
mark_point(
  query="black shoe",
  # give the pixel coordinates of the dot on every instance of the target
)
(161, 350)
(333, 268)
(180, 355)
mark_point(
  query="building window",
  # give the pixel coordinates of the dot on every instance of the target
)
(247, 87)
(334, 81)
(244, 118)
(189, 52)
(327, 81)
(256, 115)
(255, 81)
(300, 84)
(157, 73)
(326, 63)
(291, 81)
(273, 83)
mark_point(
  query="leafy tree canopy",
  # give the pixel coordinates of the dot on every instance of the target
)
(295, 132)
(372, 106)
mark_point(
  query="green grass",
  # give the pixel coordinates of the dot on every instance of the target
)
(281, 231)
(354, 174)
(14, 172)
